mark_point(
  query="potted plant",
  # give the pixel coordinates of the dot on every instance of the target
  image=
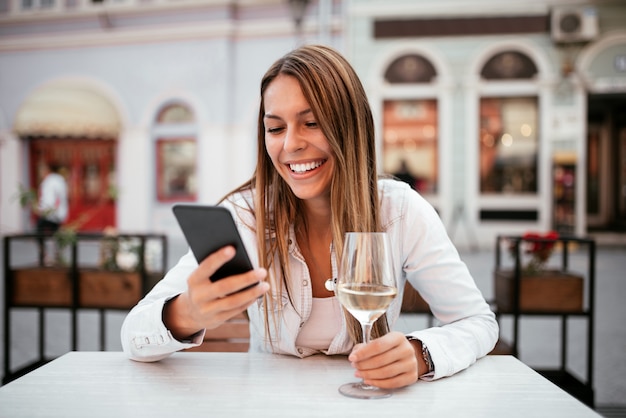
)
(116, 282)
(541, 289)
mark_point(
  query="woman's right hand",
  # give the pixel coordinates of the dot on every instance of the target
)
(206, 304)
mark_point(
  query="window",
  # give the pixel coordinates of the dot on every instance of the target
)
(509, 65)
(410, 68)
(410, 142)
(176, 169)
(508, 145)
(509, 126)
(37, 4)
(175, 114)
(176, 151)
(410, 123)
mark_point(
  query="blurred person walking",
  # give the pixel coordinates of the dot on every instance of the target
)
(52, 207)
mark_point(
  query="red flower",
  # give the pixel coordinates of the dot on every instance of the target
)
(540, 246)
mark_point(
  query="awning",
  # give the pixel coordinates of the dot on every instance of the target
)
(67, 108)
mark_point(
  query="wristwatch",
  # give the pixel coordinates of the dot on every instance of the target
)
(426, 356)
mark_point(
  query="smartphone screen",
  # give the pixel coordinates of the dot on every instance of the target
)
(209, 228)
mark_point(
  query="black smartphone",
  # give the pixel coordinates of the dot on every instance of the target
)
(209, 228)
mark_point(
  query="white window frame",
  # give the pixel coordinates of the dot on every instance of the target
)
(539, 87)
(440, 90)
(173, 131)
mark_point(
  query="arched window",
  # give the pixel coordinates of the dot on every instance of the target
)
(509, 129)
(410, 126)
(174, 114)
(509, 65)
(410, 68)
(176, 151)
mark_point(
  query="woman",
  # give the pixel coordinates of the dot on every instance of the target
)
(315, 180)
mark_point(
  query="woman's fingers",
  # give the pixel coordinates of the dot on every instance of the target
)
(212, 303)
(206, 304)
(387, 362)
(226, 286)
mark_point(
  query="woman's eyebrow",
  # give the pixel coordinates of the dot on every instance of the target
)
(299, 114)
(270, 116)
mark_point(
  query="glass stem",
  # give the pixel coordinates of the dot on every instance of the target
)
(367, 333)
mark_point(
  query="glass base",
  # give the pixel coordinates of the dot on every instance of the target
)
(362, 391)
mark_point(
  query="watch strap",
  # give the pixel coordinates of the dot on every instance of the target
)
(425, 355)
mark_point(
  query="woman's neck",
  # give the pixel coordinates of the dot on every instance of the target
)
(317, 213)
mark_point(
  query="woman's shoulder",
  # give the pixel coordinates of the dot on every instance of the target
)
(240, 198)
(398, 198)
(395, 191)
(241, 205)
(390, 184)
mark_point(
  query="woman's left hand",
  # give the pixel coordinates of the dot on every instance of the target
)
(386, 362)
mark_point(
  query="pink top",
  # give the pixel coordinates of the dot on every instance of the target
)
(322, 326)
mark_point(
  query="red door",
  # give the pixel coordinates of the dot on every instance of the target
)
(89, 168)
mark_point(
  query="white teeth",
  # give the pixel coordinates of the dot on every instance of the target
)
(302, 168)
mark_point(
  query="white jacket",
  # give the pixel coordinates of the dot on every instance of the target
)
(425, 256)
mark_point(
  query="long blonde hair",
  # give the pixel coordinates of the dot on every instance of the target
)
(339, 103)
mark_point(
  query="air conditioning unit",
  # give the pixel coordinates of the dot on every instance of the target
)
(574, 24)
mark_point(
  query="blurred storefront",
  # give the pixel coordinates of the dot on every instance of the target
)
(75, 127)
(142, 103)
(507, 117)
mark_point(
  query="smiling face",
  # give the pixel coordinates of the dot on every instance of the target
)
(294, 141)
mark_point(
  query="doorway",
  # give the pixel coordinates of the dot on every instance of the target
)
(606, 163)
(88, 166)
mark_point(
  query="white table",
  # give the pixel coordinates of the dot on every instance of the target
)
(107, 384)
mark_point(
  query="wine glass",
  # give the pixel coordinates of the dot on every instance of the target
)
(366, 285)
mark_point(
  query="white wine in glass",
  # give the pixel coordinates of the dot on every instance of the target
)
(366, 286)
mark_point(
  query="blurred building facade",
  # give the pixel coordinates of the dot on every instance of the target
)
(507, 117)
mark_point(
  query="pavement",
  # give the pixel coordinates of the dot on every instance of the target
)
(539, 336)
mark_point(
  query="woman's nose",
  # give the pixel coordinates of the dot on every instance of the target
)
(293, 141)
